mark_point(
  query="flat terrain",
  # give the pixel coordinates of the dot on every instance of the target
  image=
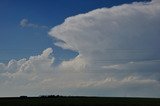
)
(78, 101)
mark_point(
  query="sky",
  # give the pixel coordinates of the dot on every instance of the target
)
(17, 42)
(80, 48)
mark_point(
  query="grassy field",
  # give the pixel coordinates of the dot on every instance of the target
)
(78, 101)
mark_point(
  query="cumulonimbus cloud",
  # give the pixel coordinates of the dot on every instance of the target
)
(126, 32)
(123, 39)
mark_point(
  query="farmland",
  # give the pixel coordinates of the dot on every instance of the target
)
(78, 101)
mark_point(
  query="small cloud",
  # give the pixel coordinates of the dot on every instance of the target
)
(26, 23)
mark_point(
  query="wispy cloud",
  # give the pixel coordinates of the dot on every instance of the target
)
(25, 23)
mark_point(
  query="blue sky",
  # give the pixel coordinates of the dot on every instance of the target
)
(17, 42)
(80, 47)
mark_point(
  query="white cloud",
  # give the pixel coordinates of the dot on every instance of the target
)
(76, 64)
(118, 42)
(112, 36)
(129, 32)
(26, 23)
(35, 65)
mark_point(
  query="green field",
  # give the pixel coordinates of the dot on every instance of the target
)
(79, 101)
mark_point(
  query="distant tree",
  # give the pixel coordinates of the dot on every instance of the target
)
(23, 96)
